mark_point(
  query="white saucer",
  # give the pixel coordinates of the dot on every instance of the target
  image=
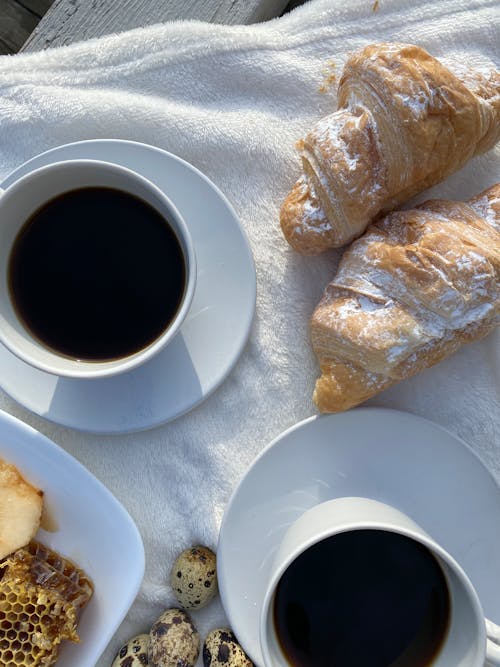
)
(390, 456)
(212, 337)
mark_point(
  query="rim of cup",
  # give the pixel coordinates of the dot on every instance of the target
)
(19, 340)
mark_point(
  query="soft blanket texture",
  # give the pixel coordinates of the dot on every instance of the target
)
(233, 101)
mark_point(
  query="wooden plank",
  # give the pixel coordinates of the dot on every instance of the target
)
(38, 7)
(16, 24)
(4, 48)
(294, 3)
(69, 21)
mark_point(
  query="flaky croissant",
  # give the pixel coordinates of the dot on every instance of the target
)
(404, 123)
(415, 287)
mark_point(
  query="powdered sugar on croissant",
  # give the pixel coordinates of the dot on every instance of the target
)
(415, 287)
(404, 123)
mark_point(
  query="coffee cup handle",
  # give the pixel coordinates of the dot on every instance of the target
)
(492, 644)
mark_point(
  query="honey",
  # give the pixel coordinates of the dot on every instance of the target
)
(41, 595)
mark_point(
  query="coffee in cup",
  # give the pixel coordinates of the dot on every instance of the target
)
(363, 597)
(98, 269)
(357, 582)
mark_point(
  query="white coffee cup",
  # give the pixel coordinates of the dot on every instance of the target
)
(23, 198)
(470, 640)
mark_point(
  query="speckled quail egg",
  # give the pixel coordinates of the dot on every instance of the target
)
(221, 649)
(174, 641)
(134, 653)
(194, 577)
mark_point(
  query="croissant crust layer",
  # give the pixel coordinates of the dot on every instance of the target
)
(408, 293)
(404, 123)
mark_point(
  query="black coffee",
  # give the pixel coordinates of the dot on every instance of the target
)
(96, 274)
(365, 598)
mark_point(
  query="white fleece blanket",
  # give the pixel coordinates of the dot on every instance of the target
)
(233, 101)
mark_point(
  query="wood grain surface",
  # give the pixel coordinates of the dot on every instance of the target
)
(16, 24)
(38, 7)
(69, 21)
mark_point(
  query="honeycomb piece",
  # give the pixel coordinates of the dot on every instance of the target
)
(41, 594)
(51, 570)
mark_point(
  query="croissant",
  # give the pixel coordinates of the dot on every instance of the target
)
(415, 287)
(404, 123)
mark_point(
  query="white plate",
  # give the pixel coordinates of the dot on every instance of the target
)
(390, 456)
(212, 337)
(93, 530)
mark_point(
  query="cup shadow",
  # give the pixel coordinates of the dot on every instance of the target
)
(161, 389)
